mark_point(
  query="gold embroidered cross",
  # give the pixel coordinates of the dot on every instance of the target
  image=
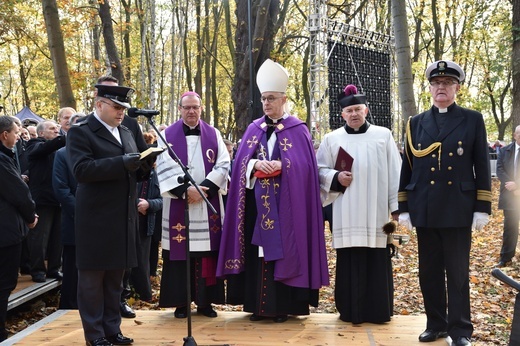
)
(250, 142)
(179, 238)
(284, 144)
(178, 227)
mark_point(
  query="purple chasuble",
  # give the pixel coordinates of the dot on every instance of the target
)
(301, 259)
(208, 140)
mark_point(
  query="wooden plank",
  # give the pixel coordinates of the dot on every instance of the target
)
(26, 290)
(158, 328)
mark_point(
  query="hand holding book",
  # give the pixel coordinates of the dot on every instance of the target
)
(344, 161)
(151, 153)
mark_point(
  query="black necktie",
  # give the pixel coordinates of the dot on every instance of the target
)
(516, 164)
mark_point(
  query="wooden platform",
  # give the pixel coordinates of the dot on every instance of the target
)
(26, 290)
(160, 328)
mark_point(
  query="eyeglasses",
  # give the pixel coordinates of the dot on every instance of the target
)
(269, 99)
(444, 83)
(189, 108)
(116, 107)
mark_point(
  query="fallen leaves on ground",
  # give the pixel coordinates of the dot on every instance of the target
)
(492, 302)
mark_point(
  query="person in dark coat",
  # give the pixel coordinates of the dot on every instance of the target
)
(445, 192)
(44, 241)
(508, 171)
(105, 161)
(17, 211)
(133, 126)
(149, 204)
(64, 185)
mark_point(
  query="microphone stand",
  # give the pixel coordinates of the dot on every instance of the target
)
(188, 340)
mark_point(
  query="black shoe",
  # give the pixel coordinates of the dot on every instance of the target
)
(38, 277)
(503, 264)
(55, 275)
(207, 311)
(255, 317)
(431, 335)
(280, 318)
(120, 339)
(461, 341)
(99, 342)
(181, 312)
(126, 310)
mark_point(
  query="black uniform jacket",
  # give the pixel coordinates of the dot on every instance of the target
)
(16, 204)
(106, 213)
(444, 188)
(506, 172)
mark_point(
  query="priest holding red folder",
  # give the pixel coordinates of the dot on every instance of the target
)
(359, 167)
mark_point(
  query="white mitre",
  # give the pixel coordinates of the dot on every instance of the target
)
(272, 76)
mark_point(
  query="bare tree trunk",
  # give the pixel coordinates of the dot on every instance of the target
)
(404, 62)
(217, 15)
(126, 38)
(206, 61)
(152, 55)
(264, 23)
(23, 79)
(110, 44)
(57, 49)
(516, 63)
(95, 42)
(438, 32)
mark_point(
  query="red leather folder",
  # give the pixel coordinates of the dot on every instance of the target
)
(344, 161)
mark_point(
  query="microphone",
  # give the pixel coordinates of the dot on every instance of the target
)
(135, 112)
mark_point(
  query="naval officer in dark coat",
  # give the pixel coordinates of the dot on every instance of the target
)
(105, 161)
(445, 192)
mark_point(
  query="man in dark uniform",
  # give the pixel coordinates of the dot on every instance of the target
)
(508, 171)
(445, 192)
(105, 161)
(133, 126)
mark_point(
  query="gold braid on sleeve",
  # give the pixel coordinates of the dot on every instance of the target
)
(422, 152)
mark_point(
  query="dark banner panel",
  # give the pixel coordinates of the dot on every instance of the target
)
(370, 71)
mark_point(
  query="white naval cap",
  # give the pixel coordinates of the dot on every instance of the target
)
(446, 68)
(272, 76)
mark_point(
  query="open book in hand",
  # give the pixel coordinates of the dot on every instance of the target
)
(344, 161)
(151, 153)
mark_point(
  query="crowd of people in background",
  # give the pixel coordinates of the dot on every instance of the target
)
(84, 206)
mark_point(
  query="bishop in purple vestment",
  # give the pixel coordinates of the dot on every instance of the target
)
(272, 249)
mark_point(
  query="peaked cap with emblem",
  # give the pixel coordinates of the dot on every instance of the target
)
(273, 77)
(445, 68)
(349, 96)
(118, 94)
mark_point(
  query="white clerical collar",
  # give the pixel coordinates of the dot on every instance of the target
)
(275, 121)
(443, 110)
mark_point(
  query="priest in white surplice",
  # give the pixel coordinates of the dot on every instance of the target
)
(201, 149)
(363, 199)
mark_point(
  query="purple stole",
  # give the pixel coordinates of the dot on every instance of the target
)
(267, 227)
(208, 140)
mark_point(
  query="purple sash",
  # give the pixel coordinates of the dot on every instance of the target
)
(267, 228)
(208, 139)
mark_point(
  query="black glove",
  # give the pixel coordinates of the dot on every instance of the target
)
(147, 164)
(131, 162)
